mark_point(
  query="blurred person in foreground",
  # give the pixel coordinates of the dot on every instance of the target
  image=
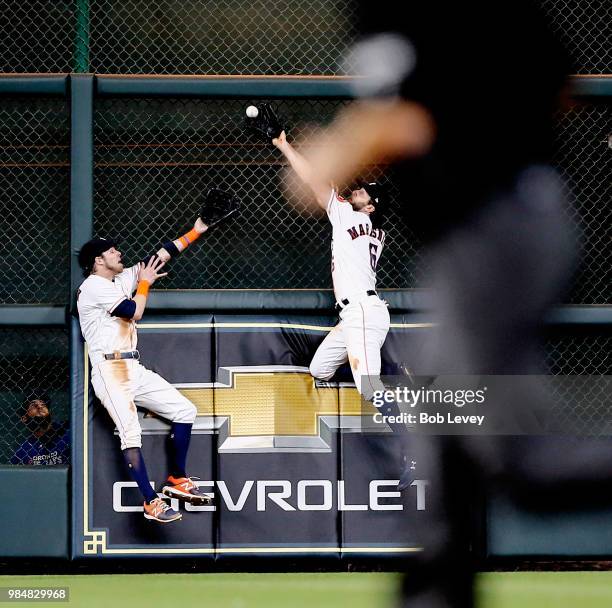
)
(460, 98)
(48, 442)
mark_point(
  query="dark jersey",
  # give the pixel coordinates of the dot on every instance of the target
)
(52, 448)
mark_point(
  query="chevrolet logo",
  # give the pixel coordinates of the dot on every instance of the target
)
(270, 408)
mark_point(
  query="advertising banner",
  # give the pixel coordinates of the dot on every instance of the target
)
(286, 456)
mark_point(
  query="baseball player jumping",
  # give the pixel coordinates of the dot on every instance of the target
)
(357, 243)
(108, 312)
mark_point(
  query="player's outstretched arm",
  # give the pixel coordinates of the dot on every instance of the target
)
(147, 275)
(367, 133)
(173, 248)
(303, 169)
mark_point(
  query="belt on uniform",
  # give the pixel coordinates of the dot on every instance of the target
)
(344, 303)
(131, 354)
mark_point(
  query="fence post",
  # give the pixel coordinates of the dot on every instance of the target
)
(81, 37)
(81, 172)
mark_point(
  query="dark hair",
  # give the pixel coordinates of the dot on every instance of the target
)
(378, 216)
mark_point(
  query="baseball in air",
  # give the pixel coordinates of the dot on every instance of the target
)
(252, 112)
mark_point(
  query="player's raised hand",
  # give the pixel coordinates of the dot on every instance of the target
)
(281, 141)
(199, 226)
(151, 271)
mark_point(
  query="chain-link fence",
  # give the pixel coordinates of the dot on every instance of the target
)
(223, 37)
(583, 26)
(34, 366)
(34, 201)
(175, 36)
(37, 35)
(585, 159)
(579, 353)
(229, 36)
(156, 157)
(581, 406)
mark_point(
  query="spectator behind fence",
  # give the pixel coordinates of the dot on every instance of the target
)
(48, 442)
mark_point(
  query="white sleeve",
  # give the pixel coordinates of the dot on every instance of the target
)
(336, 205)
(101, 295)
(129, 279)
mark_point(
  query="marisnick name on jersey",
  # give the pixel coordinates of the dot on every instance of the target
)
(366, 230)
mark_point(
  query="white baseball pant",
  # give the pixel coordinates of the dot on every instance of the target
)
(358, 339)
(123, 384)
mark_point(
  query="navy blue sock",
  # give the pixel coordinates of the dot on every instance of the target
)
(135, 462)
(400, 429)
(392, 409)
(180, 434)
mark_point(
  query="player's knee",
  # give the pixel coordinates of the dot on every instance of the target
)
(132, 438)
(320, 372)
(186, 414)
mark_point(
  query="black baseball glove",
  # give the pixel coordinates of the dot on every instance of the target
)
(218, 205)
(266, 125)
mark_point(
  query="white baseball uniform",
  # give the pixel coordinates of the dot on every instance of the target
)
(123, 384)
(364, 320)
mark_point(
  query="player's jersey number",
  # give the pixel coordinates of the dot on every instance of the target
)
(373, 260)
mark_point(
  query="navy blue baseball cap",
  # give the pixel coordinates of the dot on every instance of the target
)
(375, 190)
(91, 250)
